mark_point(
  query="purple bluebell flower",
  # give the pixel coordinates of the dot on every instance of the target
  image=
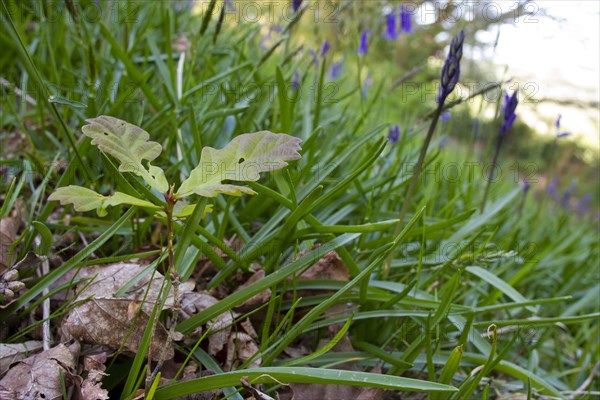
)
(265, 38)
(296, 5)
(451, 69)
(321, 53)
(443, 141)
(405, 19)
(526, 185)
(363, 47)
(566, 197)
(314, 56)
(336, 69)
(510, 105)
(296, 80)
(445, 116)
(583, 205)
(325, 48)
(229, 4)
(557, 125)
(390, 27)
(394, 134)
(553, 187)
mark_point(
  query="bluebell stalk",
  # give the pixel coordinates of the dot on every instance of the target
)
(510, 106)
(526, 187)
(449, 79)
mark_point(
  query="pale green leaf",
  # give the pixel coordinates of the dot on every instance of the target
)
(184, 210)
(122, 198)
(84, 199)
(129, 144)
(243, 159)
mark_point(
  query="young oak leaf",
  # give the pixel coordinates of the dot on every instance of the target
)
(242, 159)
(182, 210)
(129, 144)
(84, 199)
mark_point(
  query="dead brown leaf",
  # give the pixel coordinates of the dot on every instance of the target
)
(91, 388)
(221, 329)
(110, 321)
(330, 267)
(256, 393)
(9, 227)
(13, 352)
(193, 303)
(240, 347)
(39, 376)
(259, 298)
(95, 361)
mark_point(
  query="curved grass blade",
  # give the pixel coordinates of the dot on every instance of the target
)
(298, 375)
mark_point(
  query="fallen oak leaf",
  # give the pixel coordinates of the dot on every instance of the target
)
(13, 352)
(111, 321)
(91, 388)
(40, 375)
(105, 322)
(240, 348)
(330, 267)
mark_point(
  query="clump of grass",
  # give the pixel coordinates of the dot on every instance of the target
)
(497, 300)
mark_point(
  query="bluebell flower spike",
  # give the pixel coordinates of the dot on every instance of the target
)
(336, 70)
(363, 47)
(510, 105)
(390, 31)
(405, 19)
(526, 185)
(325, 48)
(394, 134)
(451, 69)
(296, 5)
